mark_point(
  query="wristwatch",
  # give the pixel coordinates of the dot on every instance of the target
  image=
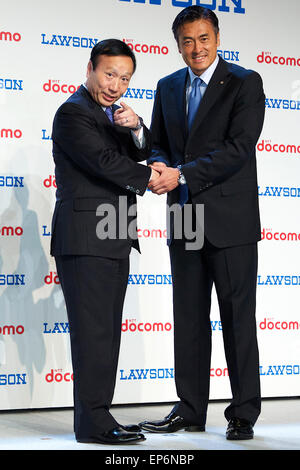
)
(140, 124)
(181, 177)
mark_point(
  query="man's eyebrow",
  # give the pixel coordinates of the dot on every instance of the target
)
(113, 70)
(201, 36)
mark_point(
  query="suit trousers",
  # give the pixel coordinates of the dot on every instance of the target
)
(233, 272)
(94, 290)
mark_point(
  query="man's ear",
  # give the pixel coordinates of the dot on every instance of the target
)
(89, 68)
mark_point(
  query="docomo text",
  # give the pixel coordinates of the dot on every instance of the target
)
(10, 133)
(267, 234)
(56, 87)
(271, 324)
(9, 36)
(133, 326)
(268, 58)
(145, 48)
(266, 145)
(57, 375)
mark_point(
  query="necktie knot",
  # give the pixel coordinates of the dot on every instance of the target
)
(197, 81)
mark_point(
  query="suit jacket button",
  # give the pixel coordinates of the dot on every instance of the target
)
(127, 187)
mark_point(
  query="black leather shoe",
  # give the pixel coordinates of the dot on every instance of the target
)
(239, 429)
(171, 423)
(131, 427)
(115, 436)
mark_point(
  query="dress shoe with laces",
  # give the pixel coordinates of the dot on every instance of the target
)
(115, 436)
(239, 429)
(171, 423)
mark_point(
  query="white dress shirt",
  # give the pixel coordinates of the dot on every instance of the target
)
(205, 76)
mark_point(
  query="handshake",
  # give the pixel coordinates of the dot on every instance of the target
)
(163, 178)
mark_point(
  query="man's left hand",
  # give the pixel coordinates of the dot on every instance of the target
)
(125, 116)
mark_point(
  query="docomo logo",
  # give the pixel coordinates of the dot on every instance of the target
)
(10, 134)
(266, 234)
(132, 326)
(11, 330)
(11, 231)
(53, 85)
(52, 278)
(267, 324)
(50, 181)
(151, 233)
(219, 372)
(145, 48)
(267, 58)
(58, 376)
(265, 145)
(7, 36)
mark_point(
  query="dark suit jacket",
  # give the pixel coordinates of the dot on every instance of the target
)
(218, 155)
(95, 163)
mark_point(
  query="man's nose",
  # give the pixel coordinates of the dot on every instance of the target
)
(114, 85)
(197, 47)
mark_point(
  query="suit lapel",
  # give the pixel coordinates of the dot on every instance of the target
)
(99, 113)
(178, 100)
(214, 90)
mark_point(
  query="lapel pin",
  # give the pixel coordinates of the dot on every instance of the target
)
(222, 83)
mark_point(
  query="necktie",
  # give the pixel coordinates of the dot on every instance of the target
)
(109, 113)
(195, 98)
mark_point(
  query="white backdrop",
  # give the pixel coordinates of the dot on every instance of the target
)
(44, 51)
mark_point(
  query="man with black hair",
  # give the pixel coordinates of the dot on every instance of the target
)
(96, 148)
(206, 121)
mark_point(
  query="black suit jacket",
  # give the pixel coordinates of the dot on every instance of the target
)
(218, 154)
(96, 162)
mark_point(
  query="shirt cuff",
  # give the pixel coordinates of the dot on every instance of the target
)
(140, 140)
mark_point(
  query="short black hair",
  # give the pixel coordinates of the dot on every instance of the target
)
(111, 47)
(193, 13)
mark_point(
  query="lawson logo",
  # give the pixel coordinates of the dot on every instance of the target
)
(146, 374)
(226, 6)
(282, 103)
(11, 84)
